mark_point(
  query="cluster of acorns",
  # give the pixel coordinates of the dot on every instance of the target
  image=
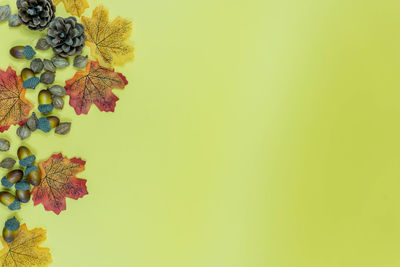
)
(22, 181)
(49, 99)
(37, 65)
(67, 38)
(16, 178)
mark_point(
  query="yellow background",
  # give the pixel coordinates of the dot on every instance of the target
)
(253, 133)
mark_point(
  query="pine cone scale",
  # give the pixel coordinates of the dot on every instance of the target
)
(36, 14)
(66, 36)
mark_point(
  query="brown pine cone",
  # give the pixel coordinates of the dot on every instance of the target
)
(36, 14)
(66, 36)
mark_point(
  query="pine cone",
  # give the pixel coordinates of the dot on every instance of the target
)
(36, 14)
(66, 36)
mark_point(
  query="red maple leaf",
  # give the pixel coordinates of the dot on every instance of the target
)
(59, 182)
(94, 86)
(14, 107)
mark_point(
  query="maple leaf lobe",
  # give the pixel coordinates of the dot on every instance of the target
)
(24, 250)
(107, 39)
(14, 107)
(59, 182)
(94, 86)
(74, 7)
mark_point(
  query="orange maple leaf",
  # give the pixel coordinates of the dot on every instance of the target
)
(107, 39)
(94, 86)
(59, 182)
(25, 250)
(14, 107)
(74, 7)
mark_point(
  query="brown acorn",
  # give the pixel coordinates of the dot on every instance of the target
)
(9, 200)
(15, 176)
(23, 152)
(34, 177)
(11, 229)
(18, 51)
(54, 121)
(9, 235)
(26, 74)
(23, 195)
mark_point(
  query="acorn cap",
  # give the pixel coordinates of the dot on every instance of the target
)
(46, 109)
(31, 83)
(12, 224)
(28, 161)
(6, 183)
(16, 205)
(23, 185)
(44, 125)
(29, 52)
(30, 169)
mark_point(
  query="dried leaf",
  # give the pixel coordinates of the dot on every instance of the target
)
(7, 163)
(59, 182)
(42, 44)
(37, 65)
(47, 77)
(94, 86)
(63, 128)
(14, 107)
(57, 90)
(49, 66)
(14, 21)
(60, 62)
(107, 39)
(74, 7)
(58, 102)
(80, 62)
(23, 132)
(32, 122)
(4, 144)
(5, 12)
(25, 250)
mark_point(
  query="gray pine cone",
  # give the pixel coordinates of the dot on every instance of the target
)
(36, 14)
(66, 36)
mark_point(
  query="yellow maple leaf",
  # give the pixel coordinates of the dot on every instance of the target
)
(107, 39)
(74, 7)
(25, 250)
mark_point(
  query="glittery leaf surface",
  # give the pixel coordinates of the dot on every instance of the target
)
(107, 40)
(59, 182)
(74, 7)
(25, 250)
(14, 107)
(94, 86)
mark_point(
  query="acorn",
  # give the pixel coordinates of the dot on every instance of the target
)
(12, 178)
(26, 74)
(45, 102)
(30, 81)
(18, 52)
(54, 121)
(9, 200)
(47, 123)
(21, 52)
(25, 156)
(11, 229)
(23, 195)
(33, 175)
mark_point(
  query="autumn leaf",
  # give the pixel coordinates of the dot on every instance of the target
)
(74, 7)
(59, 182)
(94, 86)
(25, 250)
(14, 107)
(107, 39)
